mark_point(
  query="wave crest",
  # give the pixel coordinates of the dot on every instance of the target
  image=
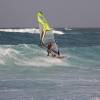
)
(28, 30)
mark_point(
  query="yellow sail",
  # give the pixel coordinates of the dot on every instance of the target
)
(42, 21)
(46, 34)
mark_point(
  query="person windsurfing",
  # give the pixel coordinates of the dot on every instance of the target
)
(46, 35)
(53, 49)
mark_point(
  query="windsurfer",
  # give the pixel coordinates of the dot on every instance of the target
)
(53, 49)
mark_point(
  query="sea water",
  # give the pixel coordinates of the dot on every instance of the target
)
(27, 73)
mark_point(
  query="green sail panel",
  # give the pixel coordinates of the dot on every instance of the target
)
(48, 35)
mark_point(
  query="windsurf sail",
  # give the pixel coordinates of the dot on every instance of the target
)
(46, 34)
(42, 21)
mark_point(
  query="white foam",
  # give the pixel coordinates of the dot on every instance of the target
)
(28, 30)
(58, 32)
(6, 53)
(38, 61)
(9, 54)
(2, 61)
(21, 30)
(19, 59)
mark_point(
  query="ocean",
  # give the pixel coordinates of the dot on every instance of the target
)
(27, 73)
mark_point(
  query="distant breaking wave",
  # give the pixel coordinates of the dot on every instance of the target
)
(28, 30)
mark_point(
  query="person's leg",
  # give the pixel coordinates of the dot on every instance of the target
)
(58, 53)
(48, 51)
(48, 54)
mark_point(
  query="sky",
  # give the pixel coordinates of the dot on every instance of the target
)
(60, 13)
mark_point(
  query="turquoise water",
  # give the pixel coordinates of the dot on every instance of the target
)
(26, 73)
